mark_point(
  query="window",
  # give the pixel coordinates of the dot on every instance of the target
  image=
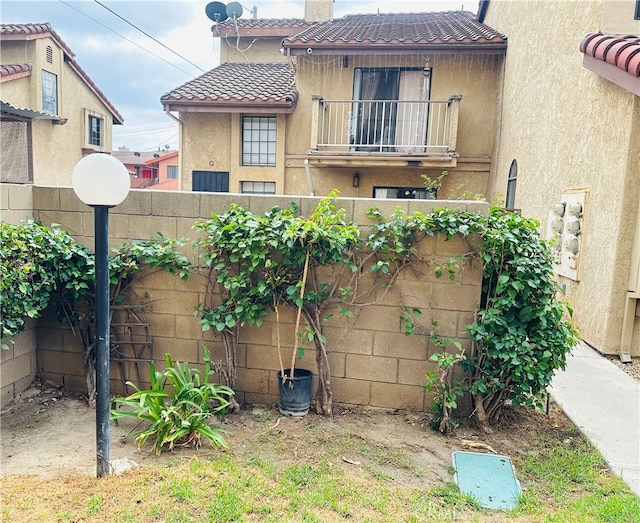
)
(405, 193)
(511, 186)
(636, 15)
(391, 113)
(259, 187)
(210, 181)
(259, 140)
(49, 92)
(172, 171)
(95, 130)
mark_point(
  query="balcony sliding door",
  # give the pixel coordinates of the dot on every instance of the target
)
(387, 111)
(411, 126)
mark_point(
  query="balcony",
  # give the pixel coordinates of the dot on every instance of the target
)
(384, 132)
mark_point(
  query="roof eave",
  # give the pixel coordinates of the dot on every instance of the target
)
(263, 32)
(116, 116)
(230, 107)
(397, 49)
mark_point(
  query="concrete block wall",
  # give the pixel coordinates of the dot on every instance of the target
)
(372, 362)
(18, 362)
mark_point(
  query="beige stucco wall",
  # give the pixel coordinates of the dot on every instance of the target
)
(258, 49)
(18, 362)
(56, 148)
(373, 363)
(205, 144)
(215, 137)
(569, 128)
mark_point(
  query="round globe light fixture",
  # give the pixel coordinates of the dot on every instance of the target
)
(100, 179)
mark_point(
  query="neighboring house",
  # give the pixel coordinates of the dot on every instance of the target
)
(366, 104)
(166, 166)
(51, 113)
(142, 175)
(569, 137)
(151, 170)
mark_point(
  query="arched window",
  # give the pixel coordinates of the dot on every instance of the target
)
(511, 186)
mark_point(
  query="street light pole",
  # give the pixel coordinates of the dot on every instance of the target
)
(101, 220)
(101, 181)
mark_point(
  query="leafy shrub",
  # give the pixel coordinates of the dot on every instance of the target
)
(523, 332)
(39, 265)
(179, 415)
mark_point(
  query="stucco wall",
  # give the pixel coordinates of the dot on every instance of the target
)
(18, 362)
(373, 362)
(569, 128)
(56, 148)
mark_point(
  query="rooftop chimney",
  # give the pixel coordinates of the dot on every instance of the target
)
(318, 10)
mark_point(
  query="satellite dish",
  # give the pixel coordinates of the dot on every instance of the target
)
(156, 155)
(216, 11)
(136, 154)
(234, 10)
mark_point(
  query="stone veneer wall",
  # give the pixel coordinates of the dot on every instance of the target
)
(372, 362)
(18, 362)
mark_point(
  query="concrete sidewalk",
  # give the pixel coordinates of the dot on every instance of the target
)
(604, 403)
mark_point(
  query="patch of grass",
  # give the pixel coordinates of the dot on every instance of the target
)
(180, 489)
(94, 504)
(303, 478)
(566, 480)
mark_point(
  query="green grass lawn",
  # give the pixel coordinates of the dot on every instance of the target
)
(276, 479)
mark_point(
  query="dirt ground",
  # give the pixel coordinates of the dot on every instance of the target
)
(50, 433)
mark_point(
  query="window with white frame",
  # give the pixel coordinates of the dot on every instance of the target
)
(172, 171)
(258, 187)
(259, 141)
(49, 92)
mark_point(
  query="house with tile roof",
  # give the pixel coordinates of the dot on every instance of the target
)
(367, 104)
(51, 112)
(568, 150)
(166, 166)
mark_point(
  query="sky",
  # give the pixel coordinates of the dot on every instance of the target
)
(134, 71)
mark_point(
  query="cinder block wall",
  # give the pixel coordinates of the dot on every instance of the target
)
(18, 362)
(372, 362)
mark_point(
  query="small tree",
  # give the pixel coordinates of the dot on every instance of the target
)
(259, 263)
(522, 334)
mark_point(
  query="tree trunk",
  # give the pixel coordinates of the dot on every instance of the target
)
(324, 395)
(230, 341)
(480, 414)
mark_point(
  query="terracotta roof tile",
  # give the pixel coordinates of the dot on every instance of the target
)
(269, 85)
(11, 70)
(259, 27)
(30, 31)
(401, 32)
(620, 51)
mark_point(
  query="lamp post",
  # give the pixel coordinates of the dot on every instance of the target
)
(101, 181)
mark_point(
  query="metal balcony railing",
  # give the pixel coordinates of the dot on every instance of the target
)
(385, 126)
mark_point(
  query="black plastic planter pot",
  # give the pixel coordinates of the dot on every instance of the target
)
(295, 393)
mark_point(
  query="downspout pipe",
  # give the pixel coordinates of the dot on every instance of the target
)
(180, 155)
(309, 179)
